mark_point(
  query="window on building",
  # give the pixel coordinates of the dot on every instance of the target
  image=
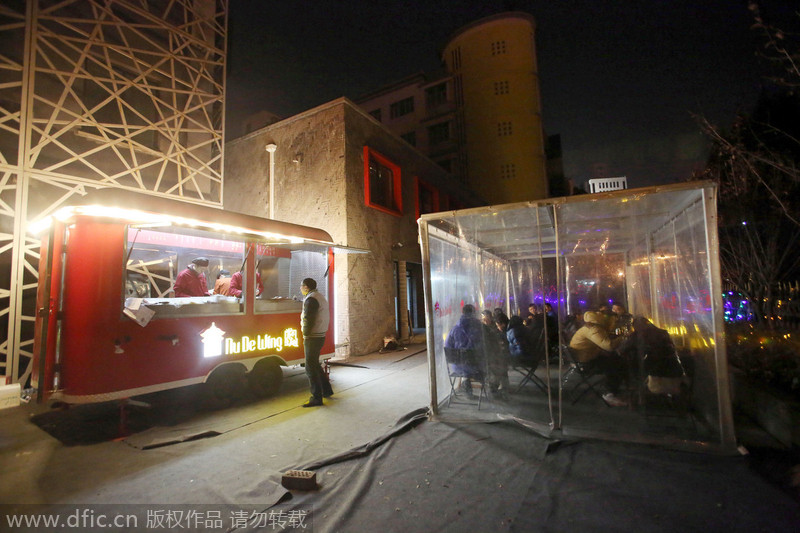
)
(403, 107)
(498, 47)
(410, 138)
(438, 133)
(427, 198)
(376, 114)
(382, 184)
(508, 171)
(501, 87)
(436, 95)
(446, 164)
(504, 129)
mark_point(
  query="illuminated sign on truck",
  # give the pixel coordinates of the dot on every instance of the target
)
(216, 344)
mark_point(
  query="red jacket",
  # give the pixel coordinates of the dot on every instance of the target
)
(190, 283)
(236, 284)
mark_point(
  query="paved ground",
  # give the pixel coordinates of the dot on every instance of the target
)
(177, 454)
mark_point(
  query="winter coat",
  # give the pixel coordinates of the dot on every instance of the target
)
(190, 283)
(520, 344)
(467, 334)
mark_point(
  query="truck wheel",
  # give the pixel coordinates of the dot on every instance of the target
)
(265, 378)
(224, 385)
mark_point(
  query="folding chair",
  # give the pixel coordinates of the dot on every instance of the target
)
(527, 366)
(585, 374)
(465, 364)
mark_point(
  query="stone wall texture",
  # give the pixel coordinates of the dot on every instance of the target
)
(319, 177)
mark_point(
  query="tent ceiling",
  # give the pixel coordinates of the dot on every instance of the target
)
(600, 223)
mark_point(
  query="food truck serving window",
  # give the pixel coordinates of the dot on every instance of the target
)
(179, 271)
(280, 270)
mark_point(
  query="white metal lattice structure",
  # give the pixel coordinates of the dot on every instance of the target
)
(608, 184)
(100, 93)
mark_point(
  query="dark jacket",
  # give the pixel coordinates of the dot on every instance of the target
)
(654, 347)
(464, 349)
(520, 343)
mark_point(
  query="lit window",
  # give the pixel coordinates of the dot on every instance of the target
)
(382, 184)
(403, 107)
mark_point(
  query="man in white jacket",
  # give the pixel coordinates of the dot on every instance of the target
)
(314, 321)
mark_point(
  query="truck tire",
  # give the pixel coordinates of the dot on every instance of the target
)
(265, 378)
(224, 386)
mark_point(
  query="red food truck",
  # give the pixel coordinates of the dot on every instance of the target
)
(109, 325)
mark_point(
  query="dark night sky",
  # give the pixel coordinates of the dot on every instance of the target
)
(619, 79)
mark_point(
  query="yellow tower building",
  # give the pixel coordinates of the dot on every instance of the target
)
(498, 107)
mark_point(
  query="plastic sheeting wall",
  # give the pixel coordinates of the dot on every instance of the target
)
(652, 250)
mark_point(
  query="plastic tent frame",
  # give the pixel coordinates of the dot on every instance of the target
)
(655, 250)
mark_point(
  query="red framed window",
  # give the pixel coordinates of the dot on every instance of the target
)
(427, 198)
(382, 183)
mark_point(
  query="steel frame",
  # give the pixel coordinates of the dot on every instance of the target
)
(100, 93)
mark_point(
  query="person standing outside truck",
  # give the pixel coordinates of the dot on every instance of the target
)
(314, 321)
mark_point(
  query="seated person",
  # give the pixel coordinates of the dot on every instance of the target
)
(653, 346)
(522, 346)
(223, 284)
(466, 338)
(622, 319)
(595, 349)
(236, 285)
(500, 317)
(496, 350)
(535, 323)
(605, 317)
(501, 322)
(192, 280)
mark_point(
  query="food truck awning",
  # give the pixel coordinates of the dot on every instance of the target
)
(311, 246)
(154, 211)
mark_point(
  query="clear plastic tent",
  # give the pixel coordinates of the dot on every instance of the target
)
(653, 251)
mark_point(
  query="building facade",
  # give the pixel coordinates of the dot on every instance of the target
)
(482, 121)
(93, 94)
(337, 168)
